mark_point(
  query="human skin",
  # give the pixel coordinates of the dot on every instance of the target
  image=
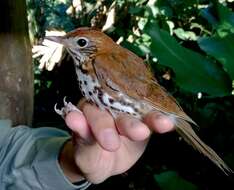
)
(102, 147)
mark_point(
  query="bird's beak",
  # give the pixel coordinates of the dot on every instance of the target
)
(57, 39)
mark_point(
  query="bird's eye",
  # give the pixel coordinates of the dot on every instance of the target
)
(82, 42)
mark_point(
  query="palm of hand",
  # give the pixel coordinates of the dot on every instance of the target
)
(97, 164)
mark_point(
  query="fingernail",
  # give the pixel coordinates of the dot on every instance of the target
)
(109, 139)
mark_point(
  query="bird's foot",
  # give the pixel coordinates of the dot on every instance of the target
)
(68, 107)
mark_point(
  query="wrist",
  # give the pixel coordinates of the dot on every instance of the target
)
(68, 164)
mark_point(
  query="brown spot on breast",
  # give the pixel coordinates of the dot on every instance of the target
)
(95, 90)
(114, 108)
(100, 97)
(111, 100)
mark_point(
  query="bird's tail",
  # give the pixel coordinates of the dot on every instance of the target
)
(188, 134)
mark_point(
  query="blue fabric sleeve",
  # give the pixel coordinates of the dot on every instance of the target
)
(29, 158)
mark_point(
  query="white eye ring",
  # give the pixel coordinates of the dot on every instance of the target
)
(82, 42)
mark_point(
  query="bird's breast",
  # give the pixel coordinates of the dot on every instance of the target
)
(92, 90)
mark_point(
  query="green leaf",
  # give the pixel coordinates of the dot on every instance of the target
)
(225, 14)
(170, 180)
(194, 72)
(222, 49)
(185, 35)
(226, 20)
(135, 10)
(222, 20)
(206, 13)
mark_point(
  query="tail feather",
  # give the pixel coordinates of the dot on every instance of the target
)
(188, 134)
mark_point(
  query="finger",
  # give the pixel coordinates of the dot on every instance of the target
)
(76, 121)
(159, 123)
(132, 128)
(103, 127)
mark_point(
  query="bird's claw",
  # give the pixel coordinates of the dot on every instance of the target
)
(68, 107)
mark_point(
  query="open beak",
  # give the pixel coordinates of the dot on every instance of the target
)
(57, 39)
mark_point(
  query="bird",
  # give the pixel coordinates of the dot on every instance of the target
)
(117, 80)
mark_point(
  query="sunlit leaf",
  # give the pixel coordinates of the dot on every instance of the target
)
(185, 35)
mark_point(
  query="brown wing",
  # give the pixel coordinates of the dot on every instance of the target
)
(125, 72)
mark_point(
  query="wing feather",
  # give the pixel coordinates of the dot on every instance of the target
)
(129, 75)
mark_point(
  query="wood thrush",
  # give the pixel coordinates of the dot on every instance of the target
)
(117, 80)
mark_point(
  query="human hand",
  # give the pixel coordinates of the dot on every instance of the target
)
(103, 147)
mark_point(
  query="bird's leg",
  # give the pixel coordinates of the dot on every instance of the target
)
(68, 107)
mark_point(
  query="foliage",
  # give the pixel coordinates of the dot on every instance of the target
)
(221, 49)
(183, 20)
(189, 45)
(207, 77)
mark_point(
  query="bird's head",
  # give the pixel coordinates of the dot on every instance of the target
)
(84, 43)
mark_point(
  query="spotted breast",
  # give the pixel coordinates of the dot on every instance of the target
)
(92, 90)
